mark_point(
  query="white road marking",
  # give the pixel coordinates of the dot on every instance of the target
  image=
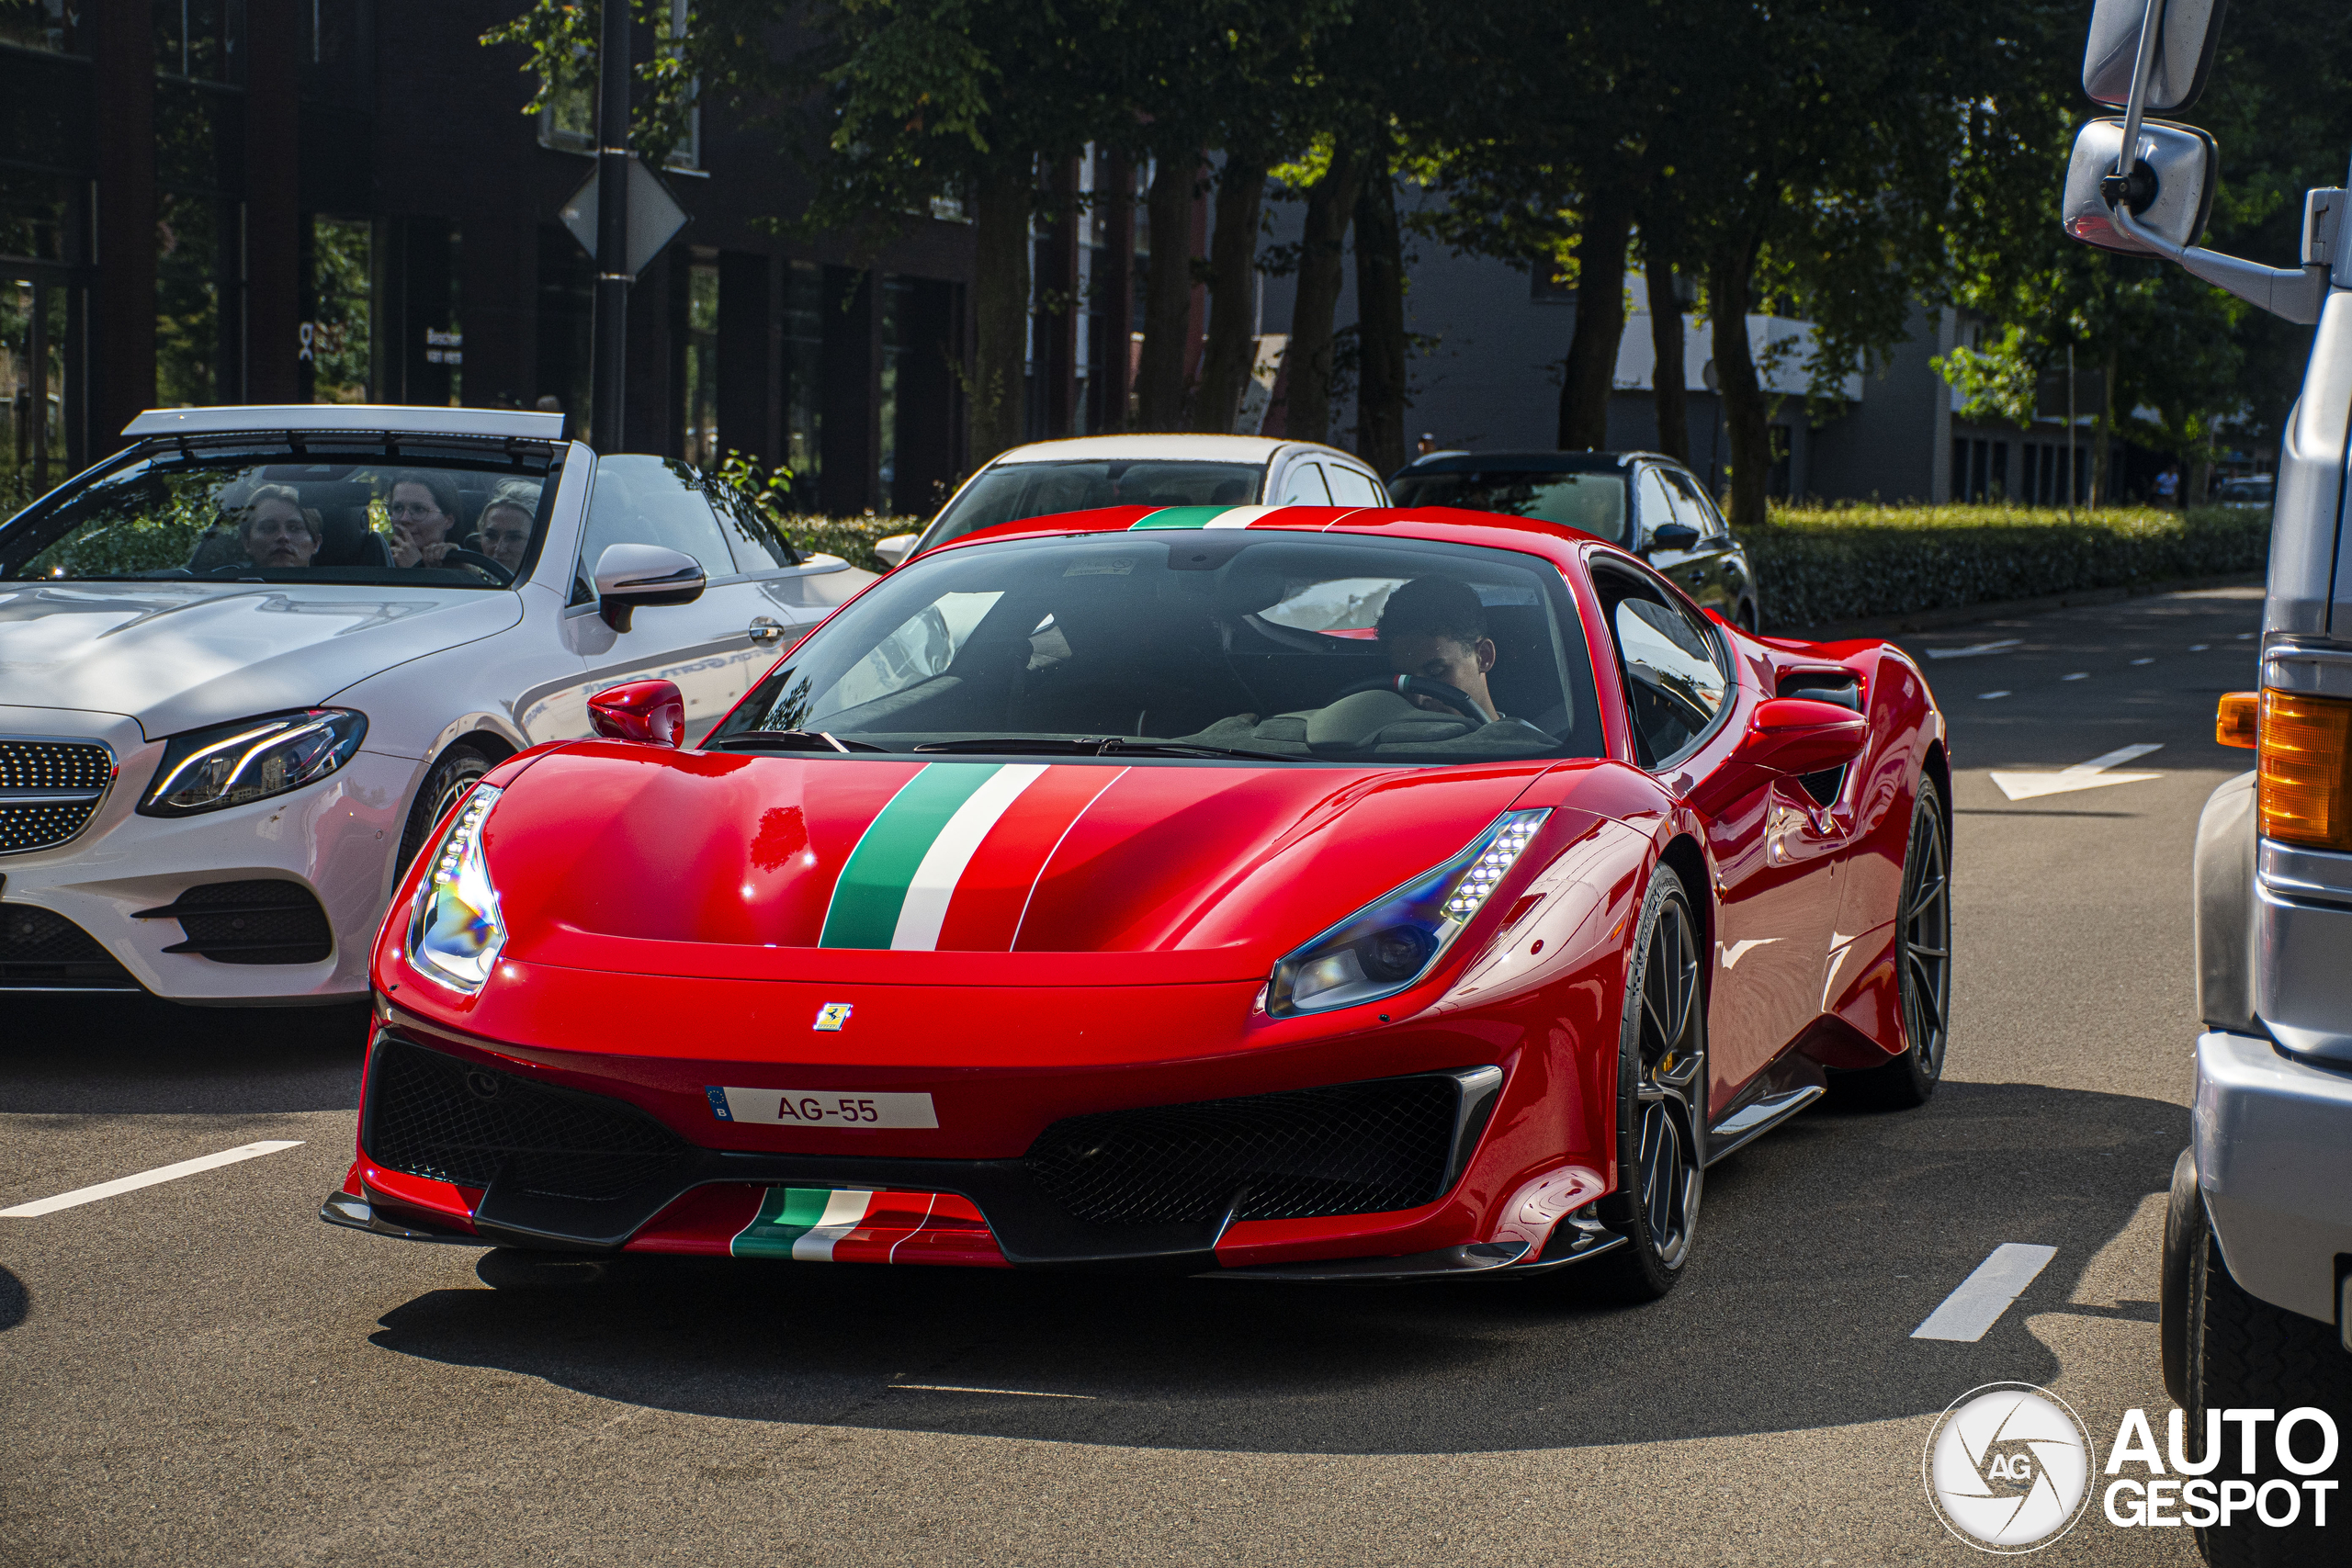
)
(2077, 675)
(1970, 1312)
(2142, 660)
(123, 1184)
(1017, 1392)
(2197, 648)
(2243, 636)
(1988, 696)
(1976, 651)
(2092, 775)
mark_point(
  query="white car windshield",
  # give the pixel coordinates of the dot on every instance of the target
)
(1275, 644)
(329, 509)
(1010, 492)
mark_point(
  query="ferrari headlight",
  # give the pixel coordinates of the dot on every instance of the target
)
(231, 764)
(1388, 944)
(454, 931)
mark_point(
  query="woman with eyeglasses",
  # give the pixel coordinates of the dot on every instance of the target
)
(423, 508)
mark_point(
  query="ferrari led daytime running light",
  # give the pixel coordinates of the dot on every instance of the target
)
(454, 928)
(1389, 944)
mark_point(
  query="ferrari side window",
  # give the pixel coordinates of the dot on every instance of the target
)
(1674, 685)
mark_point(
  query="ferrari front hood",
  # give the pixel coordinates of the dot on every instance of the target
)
(1232, 865)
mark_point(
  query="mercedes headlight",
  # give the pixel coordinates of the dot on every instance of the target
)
(454, 931)
(231, 765)
(1393, 942)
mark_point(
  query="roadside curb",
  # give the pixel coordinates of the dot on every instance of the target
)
(2001, 609)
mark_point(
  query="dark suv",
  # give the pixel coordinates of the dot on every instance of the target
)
(1646, 501)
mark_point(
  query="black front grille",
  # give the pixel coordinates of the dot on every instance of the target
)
(249, 922)
(436, 1116)
(1358, 1148)
(49, 790)
(38, 948)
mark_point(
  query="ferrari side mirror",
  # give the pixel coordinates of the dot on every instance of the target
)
(651, 712)
(631, 577)
(1795, 735)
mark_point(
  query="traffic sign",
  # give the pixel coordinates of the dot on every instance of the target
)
(654, 218)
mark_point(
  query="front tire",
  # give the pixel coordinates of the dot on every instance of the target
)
(1923, 955)
(2241, 1352)
(1661, 1102)
(453, 772)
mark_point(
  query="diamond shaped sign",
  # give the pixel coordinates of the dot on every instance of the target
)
(654, 218)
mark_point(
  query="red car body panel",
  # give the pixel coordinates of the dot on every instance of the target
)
(1110, 943)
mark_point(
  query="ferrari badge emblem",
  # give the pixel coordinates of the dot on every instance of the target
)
(831, 1016)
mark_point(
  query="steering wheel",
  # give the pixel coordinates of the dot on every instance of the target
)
(1422, 686)
(500, 576)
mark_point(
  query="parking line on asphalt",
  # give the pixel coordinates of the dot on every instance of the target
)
(1016, 1393)
(2144, 662)
(123, 1184)
(1970, 1312)
(1988, 696)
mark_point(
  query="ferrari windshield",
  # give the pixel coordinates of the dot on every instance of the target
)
(330, 510)
(1594, 501)
(1009, 492)
(1288, 646)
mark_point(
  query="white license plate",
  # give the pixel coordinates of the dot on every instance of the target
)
(822, 1108)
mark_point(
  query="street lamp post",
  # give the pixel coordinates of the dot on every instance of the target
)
(613, 276)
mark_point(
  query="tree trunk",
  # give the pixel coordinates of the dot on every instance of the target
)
(1601, 322)
(1232, 351)
(1380, 321)
(1745, 416)
(1666, 390)
(1167, 295)
(1307, 413)
(999, 310)
(2099, 441)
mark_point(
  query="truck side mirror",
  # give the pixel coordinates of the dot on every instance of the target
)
(2188, 33)
(2169, 189)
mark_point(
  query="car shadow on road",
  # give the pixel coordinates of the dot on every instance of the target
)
(97, 1055)
(1821, 1249)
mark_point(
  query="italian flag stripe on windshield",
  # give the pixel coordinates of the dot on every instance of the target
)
(895, 889)
(1201, 517)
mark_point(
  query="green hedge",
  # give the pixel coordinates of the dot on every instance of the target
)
(852, 539)
(1821, 566)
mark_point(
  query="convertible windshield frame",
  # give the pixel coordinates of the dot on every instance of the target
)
(1259, 645)
(351, 466)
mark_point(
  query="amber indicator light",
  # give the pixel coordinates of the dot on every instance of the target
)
(2234, 725)
(2306, 743)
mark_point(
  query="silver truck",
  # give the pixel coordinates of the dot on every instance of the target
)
(2257, 1294)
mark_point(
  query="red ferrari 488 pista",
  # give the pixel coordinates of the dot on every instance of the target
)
(1289, 893)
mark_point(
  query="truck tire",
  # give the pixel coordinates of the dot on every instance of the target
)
(2242, 1352)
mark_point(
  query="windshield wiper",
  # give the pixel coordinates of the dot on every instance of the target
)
(787, 740)
(1116, 745)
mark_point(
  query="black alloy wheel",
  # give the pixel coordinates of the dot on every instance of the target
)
(1922, 948)
(1661, 1100)
(456, 771)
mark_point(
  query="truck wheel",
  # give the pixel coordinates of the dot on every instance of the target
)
(2241, 1353)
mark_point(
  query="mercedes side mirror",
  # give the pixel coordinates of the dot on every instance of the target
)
(2180, 55)
(651, 712)
(1796, 735)
(2169, 191)
(635, 577)
(895, 550)
(1674, 537)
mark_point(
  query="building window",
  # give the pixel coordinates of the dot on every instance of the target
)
(337, 264)
(803, 350)
(34, 367)
(700, 383)
(896, 312)
(55, 26)
(568, 120)
(191, 328)
(198, 40)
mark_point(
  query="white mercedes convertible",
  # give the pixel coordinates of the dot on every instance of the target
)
(246, 663)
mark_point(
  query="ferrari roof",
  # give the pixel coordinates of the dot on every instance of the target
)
(1426, 522)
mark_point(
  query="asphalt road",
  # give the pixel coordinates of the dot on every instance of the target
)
(200, 1370)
